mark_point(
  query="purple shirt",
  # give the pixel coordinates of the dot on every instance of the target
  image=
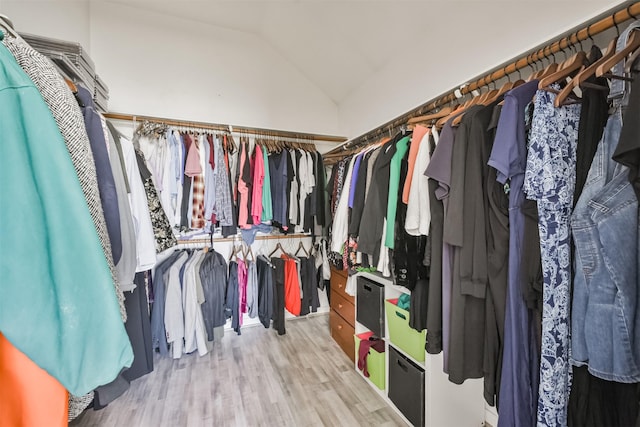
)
(519, 382)
(354, 179)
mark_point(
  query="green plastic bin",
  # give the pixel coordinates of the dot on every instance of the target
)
(375, 361)
(401, 334)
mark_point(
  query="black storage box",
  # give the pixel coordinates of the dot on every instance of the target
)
(370, 305)
(406, 387)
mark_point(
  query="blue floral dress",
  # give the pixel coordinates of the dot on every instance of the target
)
(550, 180)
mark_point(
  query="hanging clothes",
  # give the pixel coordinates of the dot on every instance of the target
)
(278, 175)
(32, 398)
(242, 290)
(357, 202)
(278, 295)
(519, 380)
(554, 209)
(164, 237)
(258, 184)
(172, 202)
(418, 217)
(223, 207)
(174, 310)
(233, 297)
(138, 328)
(374, 213)
(253, 296)
(267, 206)
(210, 182)
(416, 138)
(265, 290)
(142, 219)
(496, 207)
(52, 208)
(340, 230)
(439, 170)
(594, 114)
(66, 112)
(402, 147)
(161, 281)
(195, 335)
(464, 323)
(310, 301)
(292, 300)
(126, 266)
(213, 274)
(244, 185)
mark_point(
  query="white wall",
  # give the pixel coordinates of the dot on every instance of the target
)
(158, 65)
(66, 20)
(436, 66)
(164, 66)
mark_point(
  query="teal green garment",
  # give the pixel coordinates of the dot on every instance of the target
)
(57, 303)
(394, 182)
(404, 301)
(267, 208)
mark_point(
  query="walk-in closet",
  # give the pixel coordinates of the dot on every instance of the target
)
(307, 213)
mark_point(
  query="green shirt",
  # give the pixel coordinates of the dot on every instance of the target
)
(267, 208)
(57, 299)
(394, 183)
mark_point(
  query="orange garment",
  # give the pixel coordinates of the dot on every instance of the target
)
(292, 299)
(29, 396)
(418, 133)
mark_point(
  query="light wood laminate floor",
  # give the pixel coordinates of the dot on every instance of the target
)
(256, 379)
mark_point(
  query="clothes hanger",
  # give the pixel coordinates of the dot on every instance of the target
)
(442, 121)
(473, 101)
(210, 247)
(551, 65)
(580, 78)
(301, 246)
(520, 80)
(632, 58)
(234, 253)
(443, 112)
(7, 24)
(632, 44)
(551, 68)
(278, 246)
(488, 96)
(249, 252)
(628, 68)
(533, 69)
(568, 68)
(72, 85)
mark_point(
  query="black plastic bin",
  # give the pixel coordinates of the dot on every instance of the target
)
(406, 387)
(370, 305)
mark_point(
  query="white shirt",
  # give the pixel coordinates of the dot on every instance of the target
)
(166, 179)
(383, 260)
(145, 237)
(173, 311)
(293, 203)
(304, 190)
(418, 217)
(178, 170)
(195, 335)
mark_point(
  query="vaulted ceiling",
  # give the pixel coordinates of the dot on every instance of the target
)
(338, 45)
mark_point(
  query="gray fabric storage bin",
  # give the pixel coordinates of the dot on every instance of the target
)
(406, 386)
(370, 305)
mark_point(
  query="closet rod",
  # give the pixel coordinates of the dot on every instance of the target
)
(225, 128)
(609, 19)
(239, 237)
